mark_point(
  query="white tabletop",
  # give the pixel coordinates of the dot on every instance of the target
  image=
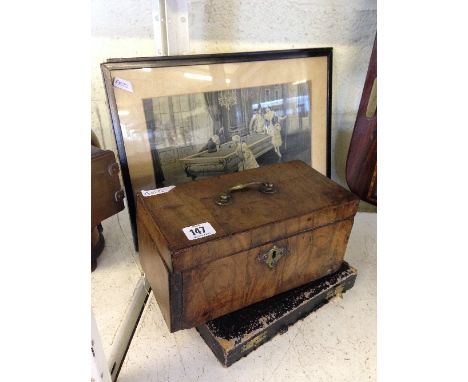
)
(335, 343)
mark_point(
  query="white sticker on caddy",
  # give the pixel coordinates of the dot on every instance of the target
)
(198, 231)
(123, 84)
(157, 191)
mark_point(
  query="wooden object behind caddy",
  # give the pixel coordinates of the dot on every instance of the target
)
(199, 280)
(106, 193)
(106, 196)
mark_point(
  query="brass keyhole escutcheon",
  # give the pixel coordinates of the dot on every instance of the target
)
(272, 256)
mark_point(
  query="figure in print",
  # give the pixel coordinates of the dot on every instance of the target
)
(246, 157)
(212, 145)
(257, 123)
(269, 114)
(275, 132)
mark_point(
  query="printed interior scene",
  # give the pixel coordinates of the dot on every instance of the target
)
(205, 134)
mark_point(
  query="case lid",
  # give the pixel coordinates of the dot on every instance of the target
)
(305, 199)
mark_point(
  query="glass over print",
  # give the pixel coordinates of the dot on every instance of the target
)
(203, 134)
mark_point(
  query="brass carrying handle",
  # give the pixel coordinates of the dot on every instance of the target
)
(226, 197)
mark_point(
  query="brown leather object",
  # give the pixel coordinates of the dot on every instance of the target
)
(106, 193)
(361, 165)
(265, 243)
(235, 335)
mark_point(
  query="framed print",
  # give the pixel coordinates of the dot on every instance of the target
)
(182, 118)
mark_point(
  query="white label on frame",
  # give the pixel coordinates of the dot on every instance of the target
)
(198, 231)
(123, 84)
(157, 191)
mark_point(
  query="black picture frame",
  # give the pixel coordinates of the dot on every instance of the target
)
(112, 67)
